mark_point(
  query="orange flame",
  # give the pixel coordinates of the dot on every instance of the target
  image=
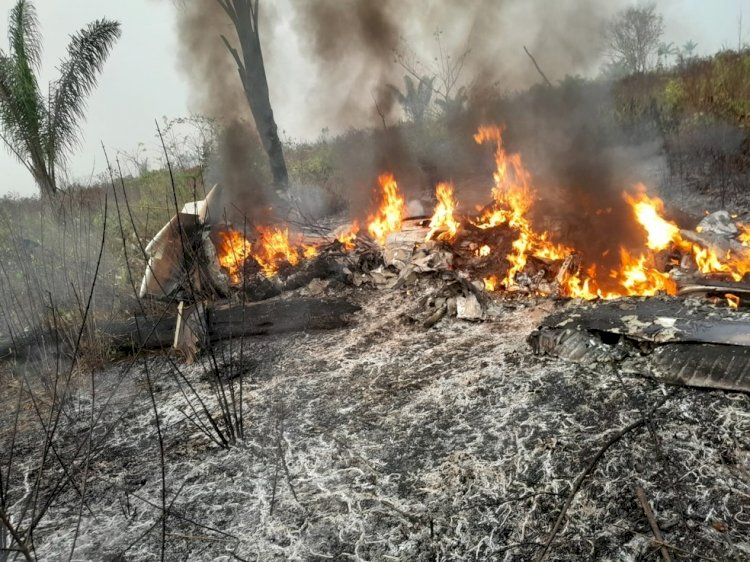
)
(348, 237)
(662, 234)
(744, 235)
(271, 251)
(234, 249)
(275, 250)
(513, 198)
(639, 278)
(442, 218)
(648, 212)
(732, 300)
(490, 283)
(391, 212)
(635, 277)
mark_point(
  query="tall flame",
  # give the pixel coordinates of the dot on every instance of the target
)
(512, 199)
(442, 218)
(391, 213)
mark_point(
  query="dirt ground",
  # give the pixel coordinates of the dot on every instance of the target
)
(386, 441)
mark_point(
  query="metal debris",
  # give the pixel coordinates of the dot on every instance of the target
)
(683, 342)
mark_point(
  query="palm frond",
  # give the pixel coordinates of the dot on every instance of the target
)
(87, 52)
(22, 108)
(8, 121)
(410, 90)
(400, 97)
(23, 32)
(26, 105)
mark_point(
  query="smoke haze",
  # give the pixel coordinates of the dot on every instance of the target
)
(354, 47)
(217, 92)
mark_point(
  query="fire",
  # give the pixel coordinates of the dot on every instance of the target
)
(636, 276)
(512, 199)
(442, 218)
(732, 300)
(709, 261)
(234, 249)
(640, 278)
(272, 249)
(662, 233)
(648, 212)
(309, 251)
(391, 212)
(275, 249)
(490, 283)
(744, 235)
(347, 237)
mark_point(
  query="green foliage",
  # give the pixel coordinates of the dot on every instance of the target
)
(310, 164)
(674, 95)
(714, 88)
(41, 131)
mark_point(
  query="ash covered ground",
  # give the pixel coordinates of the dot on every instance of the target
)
(386, 441)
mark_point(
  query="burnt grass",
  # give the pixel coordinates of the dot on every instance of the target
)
(384, 441)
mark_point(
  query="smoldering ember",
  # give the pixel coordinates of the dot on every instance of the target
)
(498, 310)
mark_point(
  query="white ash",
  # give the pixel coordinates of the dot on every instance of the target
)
(453, 443)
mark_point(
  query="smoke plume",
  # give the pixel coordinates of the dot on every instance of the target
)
(217, 92)
(358, 47)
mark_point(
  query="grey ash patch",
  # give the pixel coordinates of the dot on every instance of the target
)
(454, 443)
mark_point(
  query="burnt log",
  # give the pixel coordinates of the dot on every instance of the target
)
(227, 320)
(274, 317)
(221, 321)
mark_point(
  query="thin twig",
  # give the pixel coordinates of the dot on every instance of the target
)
(649, 513)
(161, 461)
(16, 536)
(579, 481)
(380, 111)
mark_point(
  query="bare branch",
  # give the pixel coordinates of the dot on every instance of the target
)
(539, 70)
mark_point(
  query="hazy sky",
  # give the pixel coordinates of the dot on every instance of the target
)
(141, 81)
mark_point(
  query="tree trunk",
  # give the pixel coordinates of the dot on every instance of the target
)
(244, 16)
(44, 180)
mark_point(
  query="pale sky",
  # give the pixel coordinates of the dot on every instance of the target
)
(141, 81)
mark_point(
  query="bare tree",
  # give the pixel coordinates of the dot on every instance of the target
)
(633, 37)
(444, 72)
(249, 59)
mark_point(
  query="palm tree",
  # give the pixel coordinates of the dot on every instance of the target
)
(41, 131)
(663, 52)
(416, 100)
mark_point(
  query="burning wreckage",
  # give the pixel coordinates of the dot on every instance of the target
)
(557, 419)
(673, 299)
